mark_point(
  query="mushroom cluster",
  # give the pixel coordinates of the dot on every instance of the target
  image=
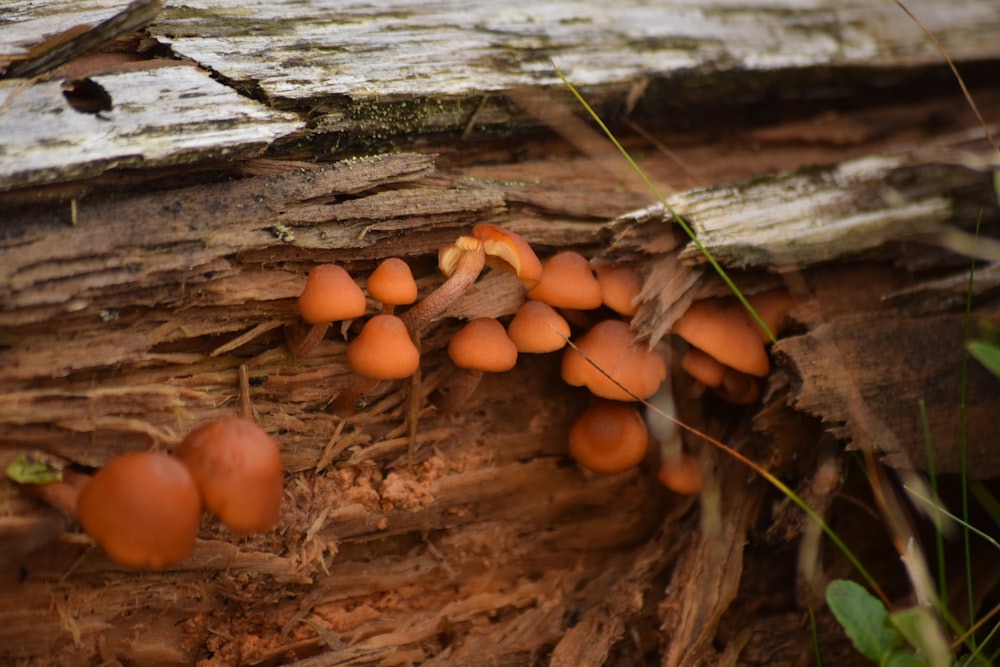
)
(388, 345)
(144, 509)
(726, 346)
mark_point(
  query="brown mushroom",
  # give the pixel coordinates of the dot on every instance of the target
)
(481, 346)
(463, 261)
(237, 468)
(620, 287)
(143, 510)
(567, 282)
(383, 350)
(609, 437)
(609, 347)
(720, 328)
(772, 306)
(392, 284)
(537, 328)
(330, 295)
(681, 474)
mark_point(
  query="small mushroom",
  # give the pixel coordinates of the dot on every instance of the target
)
(330, 295)
(142, 509)
(537, 328)
(703, 367)
(567, 282)
(383, 350)
(772, 306)
(620, 287)
(681, 474)
(609, 346)
(237, 468)
(508, 251)
(481, 346)
(392, 284)
(609, 437)
(720, 328)
(463, 261)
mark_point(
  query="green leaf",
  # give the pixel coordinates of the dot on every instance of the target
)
(923, 632)
(987, 354)
(900, 658)
(32, 471)
(863, 617)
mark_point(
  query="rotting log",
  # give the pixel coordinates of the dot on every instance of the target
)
(144, 292)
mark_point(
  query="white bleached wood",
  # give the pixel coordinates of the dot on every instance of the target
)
(161, 116)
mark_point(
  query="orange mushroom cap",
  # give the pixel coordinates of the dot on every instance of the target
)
(538, 328)
(482, 345)
(330, 295)
(237, 467)
(383, 350)
(720, 327)
(620, 287)
(567, 282)
(142, 509)
(609, 437)
(772, 306)
(609, 344)
(508, 251)
(392, 283)
(703, 367)
(682, 475)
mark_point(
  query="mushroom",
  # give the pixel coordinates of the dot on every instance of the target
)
(609, 346)
(463, 261)
(620, 287)
(330, 295)
(481, 346)
(537, 328)
(237, 469)
(382, 351)
(142, 509)
(392, 284)
(703, 367)
(681, 474)
(508, 251)
(720, 328)
(772, 306)
(567, 282)
(609, 437)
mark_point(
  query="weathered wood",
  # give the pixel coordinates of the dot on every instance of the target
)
(404, 69)
(164, 304)
(158, 117)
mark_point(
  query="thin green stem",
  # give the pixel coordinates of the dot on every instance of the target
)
(673, 214)
(942, 570)
(963, 429)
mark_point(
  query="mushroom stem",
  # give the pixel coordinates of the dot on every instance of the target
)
(346, 402)
(413, 403)
(469, 265)
(61, 495)
(461, 389)
(301, 345)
